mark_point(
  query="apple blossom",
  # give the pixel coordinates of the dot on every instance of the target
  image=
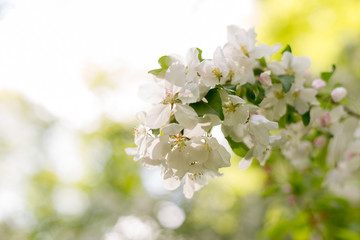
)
(260, 105)
(338, 94)
(318, 84)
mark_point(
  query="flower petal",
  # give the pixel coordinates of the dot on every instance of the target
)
(158, 116)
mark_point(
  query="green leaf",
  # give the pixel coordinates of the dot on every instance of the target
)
(291, 116)
(258, 71)
(213, 106)
(262, 62)
(286, 49)
(155, 131)
(327, 75)
(164, 62)
(200, 55)
(254, 93)
(286, 81)
(156, 71)
(239, 148)
(306, 118)
(229, 88)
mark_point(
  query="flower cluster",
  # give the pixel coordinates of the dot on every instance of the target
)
(260, 103)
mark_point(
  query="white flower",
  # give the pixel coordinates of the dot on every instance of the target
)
(338, 94)
(291, 65)
(242, 49)
(169, 96)
(214, 71)
(234, 108)
(276, 100)
(193, 182)
(143, 139)
(243, 44)
(258, 129)
(194, 158)
(302, 99)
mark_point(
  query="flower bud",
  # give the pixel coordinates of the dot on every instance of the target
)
(320, 141)
(349, 155)
(325, 119)
(265, 79)
(318, 84)
(338, 94)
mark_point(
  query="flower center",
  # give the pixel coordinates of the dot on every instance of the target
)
(289, 72)
(171, 98)
(230, 107)
(217, 73)
(279, 95)
(246, 53)
(178, 142)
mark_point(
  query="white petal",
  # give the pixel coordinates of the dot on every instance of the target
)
(151, 93)
(246, 161)
(235, 99)
(300, 64)
(172, 129)
(158, 116)
(220, 61)
(190, 93)
(192, 185)
(197, 131)
(186, 116)
(160, 148)
(131, 151)
(176, 74)
(276, 68)
(171, 183)
(192, 59)
(141, 116)
(301, 106)
(188, 188)
(242, 114)
(236, 132)
(262, 50)
(279, 109)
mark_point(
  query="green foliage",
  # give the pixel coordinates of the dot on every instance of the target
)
(254, 93)
(213, 105)
(262, 62)
(239, 148)
(286, 49)
(306, 118)
(291, 116)
(164, 62)
(285, 80)
(200, 55)
(327, 75)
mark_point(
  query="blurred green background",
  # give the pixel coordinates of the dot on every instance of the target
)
(111, 197)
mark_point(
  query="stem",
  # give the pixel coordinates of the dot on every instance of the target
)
(351, 112)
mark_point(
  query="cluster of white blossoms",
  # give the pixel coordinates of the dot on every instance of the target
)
(259, 103)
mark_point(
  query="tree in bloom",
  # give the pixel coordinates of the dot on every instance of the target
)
(259, 103)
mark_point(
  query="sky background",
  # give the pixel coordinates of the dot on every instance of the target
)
(49, 48)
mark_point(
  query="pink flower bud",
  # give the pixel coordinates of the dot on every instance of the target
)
(338, 94)
(265, 79)
(325, 119)
(320, 141)
(349, 155)
(318, 84)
